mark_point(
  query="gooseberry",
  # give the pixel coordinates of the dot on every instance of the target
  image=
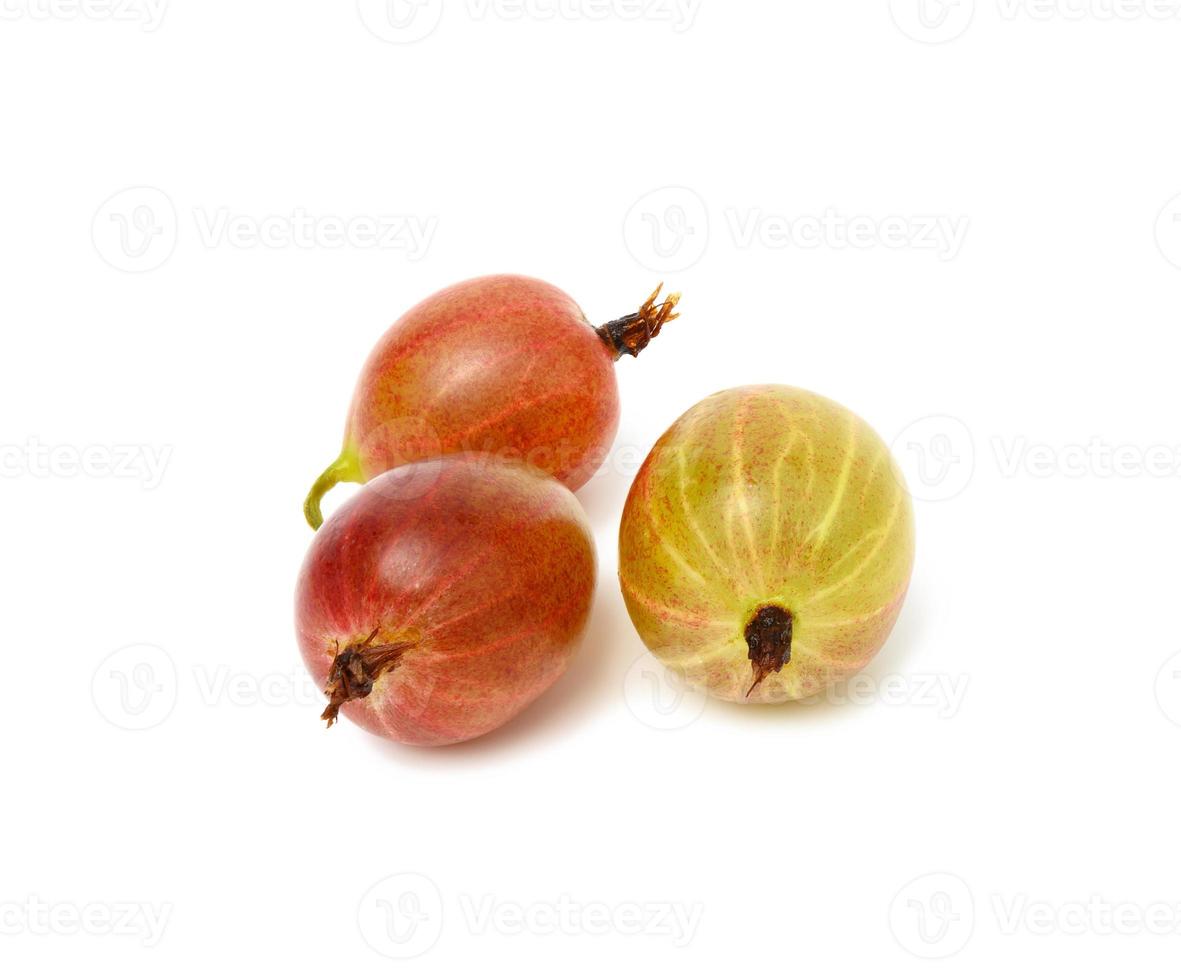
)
(766, 545)
(444, 597)
(505, 365)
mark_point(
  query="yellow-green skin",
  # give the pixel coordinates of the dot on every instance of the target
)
(766, 495)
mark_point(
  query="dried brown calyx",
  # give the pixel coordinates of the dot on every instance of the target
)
(631, 334)
(768, 639)
(356, 669)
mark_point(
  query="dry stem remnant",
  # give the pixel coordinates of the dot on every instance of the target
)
(355, 670)
(768, 638)
(631, 334)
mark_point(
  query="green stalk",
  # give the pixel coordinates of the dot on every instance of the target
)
(345, 469)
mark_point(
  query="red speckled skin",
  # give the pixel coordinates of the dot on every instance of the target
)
(488, 566)
(503, 364)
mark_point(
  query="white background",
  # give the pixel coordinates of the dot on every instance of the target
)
(1014, 746)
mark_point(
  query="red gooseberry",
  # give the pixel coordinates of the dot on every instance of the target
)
(444, 597)
(505, 365)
